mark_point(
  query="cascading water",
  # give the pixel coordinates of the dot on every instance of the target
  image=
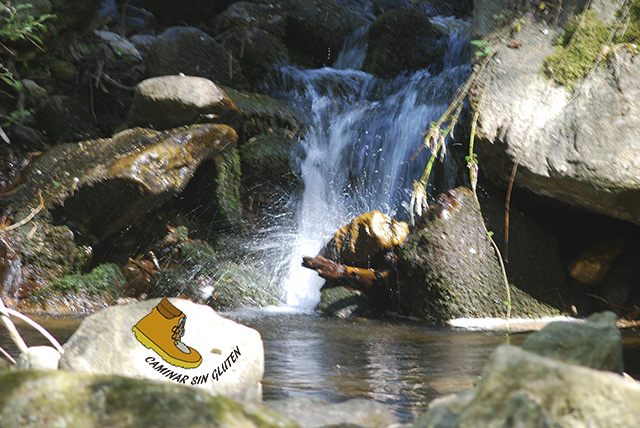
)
(363, 132)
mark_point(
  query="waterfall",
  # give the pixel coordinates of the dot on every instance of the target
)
(363, 132)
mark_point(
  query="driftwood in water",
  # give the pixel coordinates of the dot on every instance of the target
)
(338, 274)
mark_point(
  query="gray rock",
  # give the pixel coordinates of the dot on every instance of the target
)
(169, 101)
(316, 412)
(579, 147)
(121, 47)
(522, 389)
(105, 344)
(596, 343)
(38, 358)
(64, 399)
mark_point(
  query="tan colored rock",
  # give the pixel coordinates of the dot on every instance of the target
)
(365, 241)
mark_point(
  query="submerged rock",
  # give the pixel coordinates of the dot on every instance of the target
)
(36, 399)
(232, 355)
(448, 267)
(317, 413)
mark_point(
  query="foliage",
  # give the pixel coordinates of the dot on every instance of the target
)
(578, 49)
(22, 26)
(632, 33)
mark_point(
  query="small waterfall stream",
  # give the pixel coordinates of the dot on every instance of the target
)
(363, 132)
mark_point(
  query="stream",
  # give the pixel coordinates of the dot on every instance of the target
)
(402, 364)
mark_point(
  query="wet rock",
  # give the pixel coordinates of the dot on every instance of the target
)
(403, 40)
(366, 241)
(139, 20)
(317, 413)
(519, 388)
(343, 302)
(105, 344)
(209, 275)
(192, 52)
(107, 183)
(42, 358)
(596, 343)
(169, 101)
(36, 399)
(448, 267)
(578, 147)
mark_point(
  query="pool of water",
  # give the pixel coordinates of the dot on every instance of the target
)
(401, 364)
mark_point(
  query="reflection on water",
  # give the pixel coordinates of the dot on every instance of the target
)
(403, 365)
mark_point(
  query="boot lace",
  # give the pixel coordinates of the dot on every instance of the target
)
(177, 333)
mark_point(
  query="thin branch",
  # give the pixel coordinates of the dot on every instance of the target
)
(7, 356)
(28, 218)
(4, 310)
(10, 326)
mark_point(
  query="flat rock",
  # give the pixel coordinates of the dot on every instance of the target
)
(105, 344)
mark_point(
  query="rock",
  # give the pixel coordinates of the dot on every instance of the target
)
(366, 241)
(593, 264)
(35, 90)
(40, 358)
(317, 29)
(36, 399)
(519, 388)
(342, 302)
(65, 118)
(247, 15)
(121, 47)
(106, 183)
(169, 101)
(139, 20)
(316, 412)
(403, 40)
(192, 52)
(448, 267)
(63, 70)
(142, 42)
(596, 343)
(193, 12)
(579, 147)
(105, 344)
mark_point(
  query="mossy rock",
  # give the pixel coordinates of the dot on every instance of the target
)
(342, 302)
(79, 293)
(31, 399)
(578, 49)
(262, 115)
(403, 40)
(210, 275)
(270, 158)
(448, 268)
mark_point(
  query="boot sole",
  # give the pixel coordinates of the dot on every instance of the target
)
(148, 343)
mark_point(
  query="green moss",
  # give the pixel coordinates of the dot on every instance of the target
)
(103, 279)
(632, 34)
(228, 188)
(578, 49)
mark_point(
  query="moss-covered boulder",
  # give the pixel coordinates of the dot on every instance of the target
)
(35, 399)
(448, 267)
(403, 40)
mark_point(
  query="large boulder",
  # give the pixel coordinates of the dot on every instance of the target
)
(520, 388)
(169, 101)
(403, 40)
(574, 142)
(193, 52)
(232, 355)
(448, 268)
(36, 399)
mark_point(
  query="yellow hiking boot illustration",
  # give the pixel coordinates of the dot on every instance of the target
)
(162, 331)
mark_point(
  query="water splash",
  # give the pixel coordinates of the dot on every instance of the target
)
(363, 134)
